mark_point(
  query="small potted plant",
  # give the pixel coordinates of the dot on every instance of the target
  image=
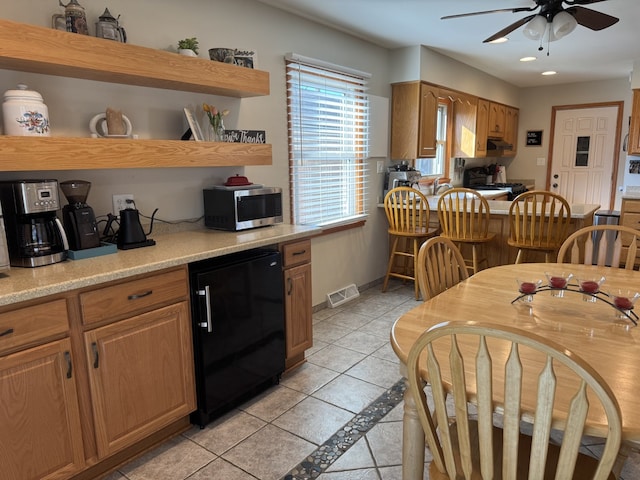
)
(188, 46)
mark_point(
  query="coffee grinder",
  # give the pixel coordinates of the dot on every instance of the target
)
(79, 220)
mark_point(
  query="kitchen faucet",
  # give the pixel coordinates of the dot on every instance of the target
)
(437, 186)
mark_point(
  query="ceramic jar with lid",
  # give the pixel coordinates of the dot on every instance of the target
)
(24, 113)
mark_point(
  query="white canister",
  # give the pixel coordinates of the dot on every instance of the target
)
(24, 113)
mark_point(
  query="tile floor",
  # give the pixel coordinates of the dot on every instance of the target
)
(338, 417)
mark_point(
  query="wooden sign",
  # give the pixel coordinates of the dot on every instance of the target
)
(244, 136)
(534, 138)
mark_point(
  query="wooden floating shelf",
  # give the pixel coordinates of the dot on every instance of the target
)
(47, 51)
(64, 153)
(30, 48)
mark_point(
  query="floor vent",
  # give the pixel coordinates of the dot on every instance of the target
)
(343, 295)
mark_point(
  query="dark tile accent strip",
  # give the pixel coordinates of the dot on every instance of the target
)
(327, 453)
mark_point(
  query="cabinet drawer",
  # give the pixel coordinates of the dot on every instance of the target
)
(28, 325)
(631, 206)
(631, 220)
(133, 296)
(296, 253)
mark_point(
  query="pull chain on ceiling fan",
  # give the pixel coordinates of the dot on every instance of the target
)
(552, 22)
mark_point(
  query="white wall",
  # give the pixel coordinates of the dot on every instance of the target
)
(354, 256)
(535, 114)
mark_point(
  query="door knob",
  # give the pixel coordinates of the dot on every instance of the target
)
(555, 185)
(556, 176)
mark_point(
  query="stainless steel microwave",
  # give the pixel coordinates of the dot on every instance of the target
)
(234, 208)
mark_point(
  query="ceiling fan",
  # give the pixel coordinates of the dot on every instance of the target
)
(553, 19)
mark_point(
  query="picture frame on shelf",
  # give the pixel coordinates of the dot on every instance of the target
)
(245, 58)
(194, 126)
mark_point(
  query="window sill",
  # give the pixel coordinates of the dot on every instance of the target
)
(341, 226)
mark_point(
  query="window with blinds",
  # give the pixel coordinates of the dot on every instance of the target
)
(328, 124)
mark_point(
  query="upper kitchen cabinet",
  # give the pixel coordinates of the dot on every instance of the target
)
(634, 127)
(512, 117)
(413, 120)
(482, 127)
(47, 51)
(465, 114)
(497, 119)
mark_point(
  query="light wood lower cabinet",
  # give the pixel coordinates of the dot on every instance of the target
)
(629, 217)
(40, 432)
(298, 301)
(141, 375)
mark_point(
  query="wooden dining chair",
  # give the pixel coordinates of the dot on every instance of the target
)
(500, 363)
(408, 214)
(440, 266)
(464, 219)
(538, 221)
(617, 246)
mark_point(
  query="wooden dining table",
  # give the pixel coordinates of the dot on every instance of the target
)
(587, 325)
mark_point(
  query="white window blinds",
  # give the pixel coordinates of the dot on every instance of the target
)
(328, 123)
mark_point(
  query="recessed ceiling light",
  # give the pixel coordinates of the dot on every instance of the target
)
(528, 59)
(499, 40)
(549, 72)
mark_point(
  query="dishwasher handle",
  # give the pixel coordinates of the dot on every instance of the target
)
(207, 301)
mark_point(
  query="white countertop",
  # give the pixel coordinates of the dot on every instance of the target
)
(501, 207)
(171, 249)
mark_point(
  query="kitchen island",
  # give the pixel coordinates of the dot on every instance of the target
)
(498, 251)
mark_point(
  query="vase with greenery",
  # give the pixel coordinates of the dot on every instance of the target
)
(188, 45)
(215, 121)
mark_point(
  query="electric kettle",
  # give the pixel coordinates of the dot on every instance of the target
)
(130, 234)
(108, 27)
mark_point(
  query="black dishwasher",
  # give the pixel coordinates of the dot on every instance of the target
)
(237, 314)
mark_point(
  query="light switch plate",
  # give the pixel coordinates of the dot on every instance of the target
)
(380, 166)
(541, 161)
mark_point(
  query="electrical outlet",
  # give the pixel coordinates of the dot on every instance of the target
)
(120, 202)
(380, 166)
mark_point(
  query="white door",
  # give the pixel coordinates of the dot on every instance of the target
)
(584, 153)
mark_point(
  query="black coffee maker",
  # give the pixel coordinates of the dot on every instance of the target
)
(35, 236)
(79, 220)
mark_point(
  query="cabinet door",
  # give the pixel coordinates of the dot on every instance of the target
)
(482, 128)
(40, 434)
(428, 121)
(634, 127)
(629, 217)
(496, 120)
(405, 117)
(465, 111)
(141, 375)
(511, 130)
(299, 331)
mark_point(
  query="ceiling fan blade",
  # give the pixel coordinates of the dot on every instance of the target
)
(582, 2)
(512, 10)
(591, 18)
(507, 30)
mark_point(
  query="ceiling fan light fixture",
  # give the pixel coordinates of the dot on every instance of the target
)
(563, 23)
(528, 59)
(536, 27)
